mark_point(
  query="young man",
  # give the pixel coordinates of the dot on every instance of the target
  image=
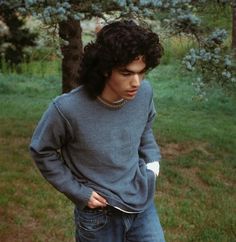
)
(95, 144)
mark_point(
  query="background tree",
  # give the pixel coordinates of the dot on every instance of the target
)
(178, 17)
(16, 38)
(66, 15)
(71, 32)
(234, 25)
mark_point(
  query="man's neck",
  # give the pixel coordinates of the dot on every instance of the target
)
(110, 96)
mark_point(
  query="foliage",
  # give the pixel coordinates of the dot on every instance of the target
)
(16, 37)
(178, 17)
(51, 12)
(212, 63)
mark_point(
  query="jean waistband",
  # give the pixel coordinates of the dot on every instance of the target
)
(108, 210)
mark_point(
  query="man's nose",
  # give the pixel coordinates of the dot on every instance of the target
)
(136, 80)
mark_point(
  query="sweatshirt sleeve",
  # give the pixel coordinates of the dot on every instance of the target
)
(51, 134)
(149, 150)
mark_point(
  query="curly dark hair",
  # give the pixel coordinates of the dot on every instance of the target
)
(117, 44)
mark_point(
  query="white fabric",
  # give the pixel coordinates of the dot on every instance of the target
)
(154, 166)
(119, 101)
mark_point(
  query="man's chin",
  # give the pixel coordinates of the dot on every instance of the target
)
(128, 98)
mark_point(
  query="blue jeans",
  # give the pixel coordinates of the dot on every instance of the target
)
(111, 225)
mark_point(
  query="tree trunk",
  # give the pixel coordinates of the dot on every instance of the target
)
(234, 26)
(70, 31)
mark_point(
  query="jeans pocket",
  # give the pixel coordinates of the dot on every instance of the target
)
(88, 223)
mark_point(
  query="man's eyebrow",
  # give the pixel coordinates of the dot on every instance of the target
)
(124, 69)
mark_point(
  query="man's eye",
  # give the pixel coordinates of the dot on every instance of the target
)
(125, 73)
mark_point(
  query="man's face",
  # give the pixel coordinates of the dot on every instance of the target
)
(125, 81)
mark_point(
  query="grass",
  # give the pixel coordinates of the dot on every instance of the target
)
(196, 190)
(215, 15)
(30, 209)
(196, 187)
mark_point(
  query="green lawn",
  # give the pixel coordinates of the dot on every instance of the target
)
(195, 190)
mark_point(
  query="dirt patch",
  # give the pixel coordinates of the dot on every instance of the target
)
(193, 175)
(172, 150)
(14, 141)
(17, 230)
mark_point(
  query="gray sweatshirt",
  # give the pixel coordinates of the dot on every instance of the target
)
(81, 145)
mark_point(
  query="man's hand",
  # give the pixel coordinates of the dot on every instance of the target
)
(96, 201)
